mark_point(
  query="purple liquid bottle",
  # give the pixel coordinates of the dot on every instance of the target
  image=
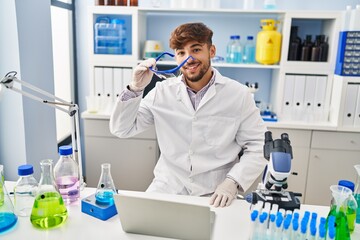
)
(66, 172)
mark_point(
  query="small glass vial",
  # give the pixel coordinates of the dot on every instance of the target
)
(106, 188)
(49, 210)
(66, 173)
(25, 190)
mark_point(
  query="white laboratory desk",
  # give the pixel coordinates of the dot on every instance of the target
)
(231, 223)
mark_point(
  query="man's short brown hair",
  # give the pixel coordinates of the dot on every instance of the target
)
(187, 32)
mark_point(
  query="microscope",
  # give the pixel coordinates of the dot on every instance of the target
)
(272, 189)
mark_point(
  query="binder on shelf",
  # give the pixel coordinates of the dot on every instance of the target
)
(108, 82)
(309, 96)
(357, 110)
(127, 76)
(118, 82)
(350, 104)
(98, 81)
(298, 98)
(288, 95)
(320, 92)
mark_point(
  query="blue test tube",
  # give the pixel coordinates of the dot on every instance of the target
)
(322, 230)
(278, 222)
(253, 216)
(286, 231)
(312, 231)
(262, 227)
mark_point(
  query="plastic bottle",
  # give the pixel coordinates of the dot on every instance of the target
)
(306, 49)
(25, 191)
(234, 50)
(324, 48)
(249, 50)
(49, 209)
(270, 4)
(351, 205)
(106, 188)
(315, 51)
(357, 193)
(66, 173)
(294, 45)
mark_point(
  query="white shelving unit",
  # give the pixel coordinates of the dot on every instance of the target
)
(149, 24)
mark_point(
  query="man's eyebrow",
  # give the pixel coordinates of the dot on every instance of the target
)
(192, 46)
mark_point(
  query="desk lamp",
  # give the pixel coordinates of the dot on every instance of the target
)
(68, 107)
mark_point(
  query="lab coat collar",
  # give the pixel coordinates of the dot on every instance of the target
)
(183, 96)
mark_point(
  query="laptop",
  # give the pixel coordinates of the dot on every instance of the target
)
(162, 218)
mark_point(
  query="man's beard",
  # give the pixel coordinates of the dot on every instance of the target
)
(195, 78)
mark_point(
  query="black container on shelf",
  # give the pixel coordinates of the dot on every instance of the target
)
(306, 49)
(324, 48)
(294, 45)
(315, 51)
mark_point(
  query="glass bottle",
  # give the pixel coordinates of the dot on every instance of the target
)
(25, 190)
(351, 204)
(234, 50)
(357, 193)
(306, 49)
(66, 173)
(315, 51)
(7, 217)
(49, 209)
(106, 188)
(249, 50)
(324, 48)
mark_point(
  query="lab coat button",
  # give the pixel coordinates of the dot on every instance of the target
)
(191, 180)
(191, 152)
(194, 118)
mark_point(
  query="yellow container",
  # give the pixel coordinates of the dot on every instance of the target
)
(268, 43)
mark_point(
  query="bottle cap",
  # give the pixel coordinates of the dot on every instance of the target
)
(65, 150)
(348, 184)
(118, 21)
(24, 170)
(250, 37)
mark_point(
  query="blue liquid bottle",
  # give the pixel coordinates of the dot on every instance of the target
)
(106, 188)
(234, 50)
(7, 217)
(249, 50)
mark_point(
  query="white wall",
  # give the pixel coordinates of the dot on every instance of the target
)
(29, 52)
(12, 136)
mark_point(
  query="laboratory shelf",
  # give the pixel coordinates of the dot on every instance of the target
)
(227, 65)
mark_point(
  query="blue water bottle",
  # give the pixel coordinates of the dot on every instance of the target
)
(249, 50)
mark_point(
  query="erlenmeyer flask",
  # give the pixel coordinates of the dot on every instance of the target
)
(106, 188)
(49, 209)
(7, 217)
(357, 193)
(338, 210)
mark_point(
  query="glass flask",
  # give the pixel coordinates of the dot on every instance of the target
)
(338, 210)
(66, 173)
(357, 193)
(106, 188)
(49, 209)
(351, 204)
(25, 191)
(7, 217)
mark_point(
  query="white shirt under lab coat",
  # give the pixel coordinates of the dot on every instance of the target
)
(199, 148)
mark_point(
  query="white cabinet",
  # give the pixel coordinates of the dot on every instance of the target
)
(332, 158)
(132, 160)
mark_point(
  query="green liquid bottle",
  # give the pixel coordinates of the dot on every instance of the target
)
(49, 209)
(341, 223)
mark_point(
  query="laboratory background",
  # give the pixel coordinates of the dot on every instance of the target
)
(307, 87)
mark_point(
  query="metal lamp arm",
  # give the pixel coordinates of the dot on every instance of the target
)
(68, 107)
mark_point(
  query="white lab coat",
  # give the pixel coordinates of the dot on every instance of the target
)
(199, 148)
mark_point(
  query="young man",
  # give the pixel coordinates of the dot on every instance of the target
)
(202, 121)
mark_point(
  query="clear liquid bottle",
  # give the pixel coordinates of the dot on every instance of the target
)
(66, 173)
(25, 191)
(49, 209)
(234, 50)
(249, 50)
(106, 188)
(357, 193)
(7, 217)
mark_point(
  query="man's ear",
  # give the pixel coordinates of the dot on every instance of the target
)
(212, 51)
